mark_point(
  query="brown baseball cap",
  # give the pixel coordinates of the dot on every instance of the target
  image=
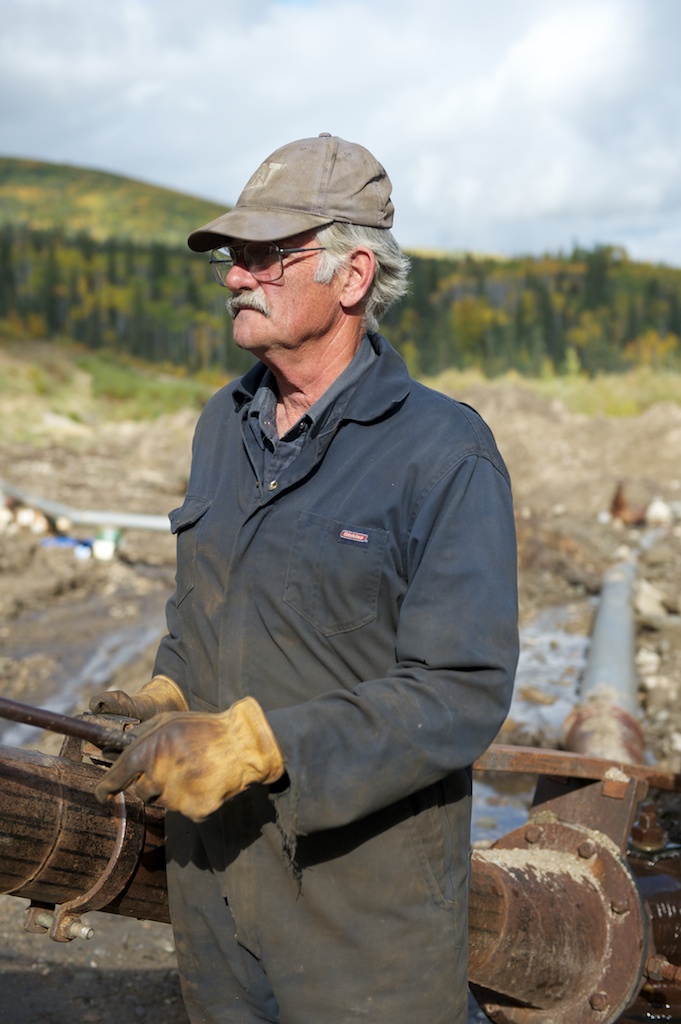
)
(303, 186)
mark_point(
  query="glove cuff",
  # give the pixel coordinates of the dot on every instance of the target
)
(265, 757)
(165, 693)
(159, 694)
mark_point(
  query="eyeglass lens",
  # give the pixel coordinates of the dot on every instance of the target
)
(260, 259)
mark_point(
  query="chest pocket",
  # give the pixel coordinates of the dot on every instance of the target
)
(185, 523)
(334, 573)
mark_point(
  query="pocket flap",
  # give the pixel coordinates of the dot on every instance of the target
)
(189, 513)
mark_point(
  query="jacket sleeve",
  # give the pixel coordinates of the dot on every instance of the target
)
(349, 753)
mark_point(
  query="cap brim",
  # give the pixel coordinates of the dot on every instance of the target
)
(253, 225)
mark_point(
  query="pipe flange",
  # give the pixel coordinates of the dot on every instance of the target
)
(618, 974)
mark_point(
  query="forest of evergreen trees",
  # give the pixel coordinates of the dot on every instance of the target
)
(591, 311)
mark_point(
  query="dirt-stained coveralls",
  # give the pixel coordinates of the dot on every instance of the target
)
(367, 599)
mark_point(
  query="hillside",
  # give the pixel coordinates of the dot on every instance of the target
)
(100, 259)
(46, 196)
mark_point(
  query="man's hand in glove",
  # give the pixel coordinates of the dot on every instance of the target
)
(192, 762)
(158, 695)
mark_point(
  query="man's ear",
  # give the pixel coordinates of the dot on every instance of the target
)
(359, 273)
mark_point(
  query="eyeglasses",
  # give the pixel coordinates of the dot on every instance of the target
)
(261, 259)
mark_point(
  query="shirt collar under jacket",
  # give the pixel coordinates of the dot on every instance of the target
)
(382, 383)
(335, 398)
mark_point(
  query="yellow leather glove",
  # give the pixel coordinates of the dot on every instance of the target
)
(158, 695)
(192, 762)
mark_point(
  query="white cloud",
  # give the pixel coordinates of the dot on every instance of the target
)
(511, 127)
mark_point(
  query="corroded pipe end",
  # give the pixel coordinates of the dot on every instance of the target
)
(601, 729)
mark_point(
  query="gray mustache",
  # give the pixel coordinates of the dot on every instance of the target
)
(247, 300)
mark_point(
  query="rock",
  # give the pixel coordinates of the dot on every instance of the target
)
(661, 692)
(647, 661)
(535, 695)
(659, 555)
(649, 605)
(659, 513)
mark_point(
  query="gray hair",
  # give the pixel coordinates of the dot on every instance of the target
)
(392, 266)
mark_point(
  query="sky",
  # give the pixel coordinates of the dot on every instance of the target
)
(506, 126)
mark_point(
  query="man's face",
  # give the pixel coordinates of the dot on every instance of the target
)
(288, 313)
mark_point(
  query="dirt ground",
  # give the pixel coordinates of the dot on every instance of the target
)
(56, 605)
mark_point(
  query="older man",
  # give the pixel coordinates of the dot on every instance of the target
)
(343, 635)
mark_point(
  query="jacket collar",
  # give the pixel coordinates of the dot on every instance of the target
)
(385, 385)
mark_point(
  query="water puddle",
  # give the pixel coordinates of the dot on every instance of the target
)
(552, 658)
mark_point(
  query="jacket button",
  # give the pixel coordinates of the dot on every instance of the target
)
(273, 485)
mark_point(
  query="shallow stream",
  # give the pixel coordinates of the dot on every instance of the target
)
(552, 658)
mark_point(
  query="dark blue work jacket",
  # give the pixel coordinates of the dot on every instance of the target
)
(367, 599)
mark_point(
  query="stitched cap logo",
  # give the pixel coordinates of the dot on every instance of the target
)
(263, 175)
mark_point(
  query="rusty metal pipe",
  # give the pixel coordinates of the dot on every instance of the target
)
(604, 727)
(86, 727)
(558, 930)
(536, 927)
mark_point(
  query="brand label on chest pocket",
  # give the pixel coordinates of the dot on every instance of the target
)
(354, 536)
(334, 573)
